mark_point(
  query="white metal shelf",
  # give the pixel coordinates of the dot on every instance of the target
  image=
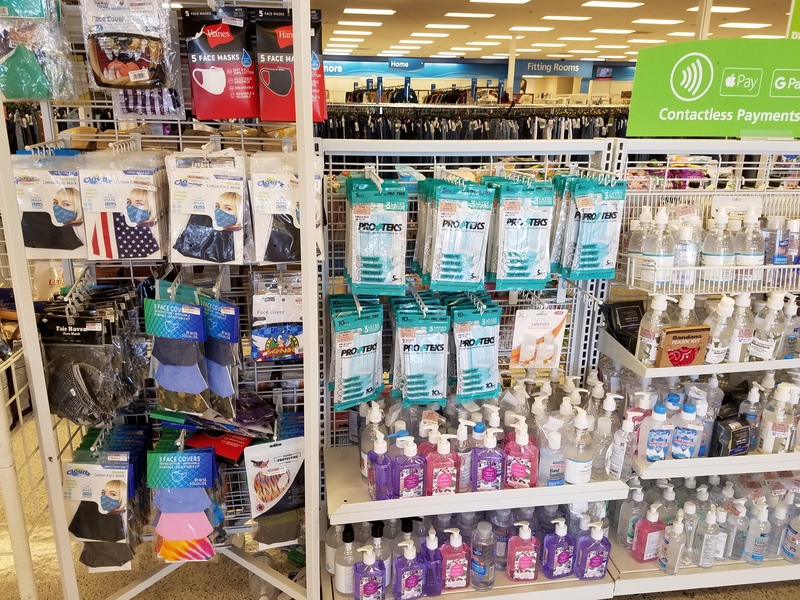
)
(616, 351)
(459, 148)
(717, 465)
(545, 589)
(709, 146)
(349, 502)
(631, 577)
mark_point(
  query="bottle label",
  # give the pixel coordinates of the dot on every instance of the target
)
(371, 587)
(330, 559)
(791, 543)
(663, 555)
(717, 260)
(790, 346)
(648, 346)
(739, 541)
(364, 464)
(411, 480)
(465, 471)
(343, 578)
(578, 471)
(525, 564)
(444, 480)
(563, 560)
(740, 342)
(518, 472)
(760, 547)
(482, 568)
(773, 437)
(685, 256)
(455, 573)
(749, 275)
(556, 473)
(716, 350)
(656, 268)
(618, 452)
(722, 540)
(596, 562)
(653, 544)
(501, 543)
(632, 527)
(684, 441)
(371, 480)
(708, 549)
(658, 441)
(763, 349)
(488, 470)
(411, 582)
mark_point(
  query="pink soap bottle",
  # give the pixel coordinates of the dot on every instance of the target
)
(456, 557)
(647, 536)
(441, 475)
(522, 459)
(429, 446)
(523, 554)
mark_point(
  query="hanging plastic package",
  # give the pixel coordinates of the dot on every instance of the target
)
(221, 63)
(377, 223)
(207, 207)
(493, 252)
(476, 334)
(424, 342)
(275, 477)
(277, 329)
(221, 353)
(124, 205)
(523, 240)
(358, 363)
(129, 44)
(275, 45)
(273, 185)
(597, 240)
(48, 193)
(460, 230)
(563, 185)
(25, 9)
(427, 190)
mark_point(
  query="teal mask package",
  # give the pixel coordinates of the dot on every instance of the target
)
(427, 192)
(358, 356)
(579, 193)
(424, 347)
(377, 248)
(476, 333)
(597, 242)
(462, 217)
(401, 310)
(563, 186)
(523, 241)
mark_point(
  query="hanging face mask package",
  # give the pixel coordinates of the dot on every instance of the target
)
(277, 329)
(357, 351)
(48, 194)
(476, 334)
(377, 223)
(207, 207)
(124, 200)
(563, 185)
(221, 354)
(35, 54)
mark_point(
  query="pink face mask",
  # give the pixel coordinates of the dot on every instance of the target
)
(176, 527)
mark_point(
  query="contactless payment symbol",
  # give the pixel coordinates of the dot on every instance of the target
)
(691, 77)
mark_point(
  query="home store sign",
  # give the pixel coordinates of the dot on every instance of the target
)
(717, 88)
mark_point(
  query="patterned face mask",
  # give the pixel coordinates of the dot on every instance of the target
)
(224, 219)
(63, 215)
(137, 215)
(108, 504)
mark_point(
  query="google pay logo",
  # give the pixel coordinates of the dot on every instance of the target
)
(691, 77)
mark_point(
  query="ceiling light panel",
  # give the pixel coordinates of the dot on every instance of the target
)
(577, 39)
(633, 52)
(657, 21)
(746, 25)
(646, 41)
(755, 36)
(400, 52)
(483, 43)
(584, 51)
(458, 15)
(368, 11)
(590, 59)
(614, 31)
(342, 45)
(548, 45)
(464, 48)
(559, 55)
(360, 23)
(529, 50)
(564, 18)
(500, 1)
(611, 56)
(445, 26)
(350, 32)
(729, 10)
(337, 52)
(520, 28)
(611, 47)
(611, 4)
(504, 37)
(433, 35)
(346, 39)
(415, 41)
(405, 47)
(687, 34)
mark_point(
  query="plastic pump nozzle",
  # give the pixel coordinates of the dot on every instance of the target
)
(432, 542)
(369, 554)
(610, 402)
(374, 414)
(524, 529)
(409, 550)
(561, 526)
(596, 531)
(493, 419)
(575, 396)
(491, 439)
(462, 432)
(566, 409)
(455, 536)
(569, 383)
(644, 400)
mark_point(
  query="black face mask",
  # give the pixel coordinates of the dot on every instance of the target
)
(279, 81)
(105, 554)
(284, 240)
(90, 524)
(38, 231)
(200, 240)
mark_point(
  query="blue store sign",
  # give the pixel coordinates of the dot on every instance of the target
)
(406, 64)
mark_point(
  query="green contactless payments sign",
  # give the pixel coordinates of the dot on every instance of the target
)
(717, 88)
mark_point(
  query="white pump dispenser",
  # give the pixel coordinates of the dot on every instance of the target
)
(455, 537)
(524, 529)
(409, 550)
(561, 526)
(369, 554)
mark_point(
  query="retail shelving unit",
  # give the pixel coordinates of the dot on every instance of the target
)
(719, 465)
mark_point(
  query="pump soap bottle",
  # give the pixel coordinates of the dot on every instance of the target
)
(456, 557)
(558, 551)
(523, 554)
(593, 552)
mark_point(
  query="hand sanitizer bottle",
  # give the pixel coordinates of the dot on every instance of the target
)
(673, 546)
(456, 557)
(658, 254)
(791, 542)
(344, 562)
(718, 252)
(522, 459)
(722, 539)
(690, 522)
(749, 248)
(558, 552)
(333, 539)
(636, 243)
(770, 324)
(370, 576)
(620, 464)
(755, 549)
(379, 471)
(552, 461)
(409, 472)
(687, 433)
(463, 450)
(736, 528)
(705, 540)
(487, 464)
(409, 573)
(483, 557)
(687, 254)
(523, 554)
(722, 326)
(788, 349)
(778, 527)
(406, 533)
(432, 562)
(655, 435)
(442, 469)
(632, 511)
(593, 553)
(601, 442)
(579, 452)
(743, 327)
(777, 420)
(370, 434)
(669, 508)
(647, 536)
(650, 330)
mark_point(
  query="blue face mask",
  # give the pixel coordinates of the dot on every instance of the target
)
(137, 215)
(109, 504)
(224, 219)
(63, 215)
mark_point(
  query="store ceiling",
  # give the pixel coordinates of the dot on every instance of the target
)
(408, 23)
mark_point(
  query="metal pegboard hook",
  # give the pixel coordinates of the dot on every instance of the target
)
(371, 172)
(134, 144)
(420, 302)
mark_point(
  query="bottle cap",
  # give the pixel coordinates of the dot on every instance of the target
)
(521, 427)
(524, 529)
(652, 512)
(603, 426)
(566, 407)
(575, 396)
(478, 431)
(722, 516)
(398, 426)
(721, 218)
(775, 301)
(380, 446)
(432, 541)
(377, 529)
(768, 381)
(689, 508)
(493, 415)
(598, 392)
(660, 302)
(711, 516)
(669, 493)
(462, 431)
(627, 426)
(406, 525)
(725, 306)
(584, 521)
(751, 217)
(727, 491)
(509, 418)
(791, 306)
(569, 383)
(644, 399)
(702, 493)
(662, 218)
(713, 479)
(646, 216)
(476, 417)
(444, 443)
(455, 536)
(688, 412)
(484, 529)
(349, 534)
(638, 494)
(491, 440)
(634, 225)
(410, 448)
(686, 301)
(555, 374)
(659, 412)
(685, 234)
(374, 414)
(561, 527)
(742, 299)
(581, 422)
(780, 511)
(554, 440)
(369, 555)
(409, 549)
(690, 483)
(793, 225)
(610, 403)
(596, 531)
(672, 401)
(763, 514)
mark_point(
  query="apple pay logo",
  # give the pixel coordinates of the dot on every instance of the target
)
(741, 82)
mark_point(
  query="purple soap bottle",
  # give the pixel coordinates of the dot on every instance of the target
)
(409, 573)
(558, 552)
(369, 576)
(408, 472)
(432, 559)
(593, 553)
(379, 471)
(487, 464)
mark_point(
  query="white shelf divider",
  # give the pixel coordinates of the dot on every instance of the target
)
(349, 502)
(631, 577)
(717, 465)
(609, 346)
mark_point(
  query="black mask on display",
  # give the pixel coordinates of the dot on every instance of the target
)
(279, 81)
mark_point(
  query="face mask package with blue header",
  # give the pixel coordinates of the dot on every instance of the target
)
(462, 216)
(597, 236)
(358, 352)
(524, 221)
(377, 224)
(222, 354)
(424, 342)
(476, 333)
